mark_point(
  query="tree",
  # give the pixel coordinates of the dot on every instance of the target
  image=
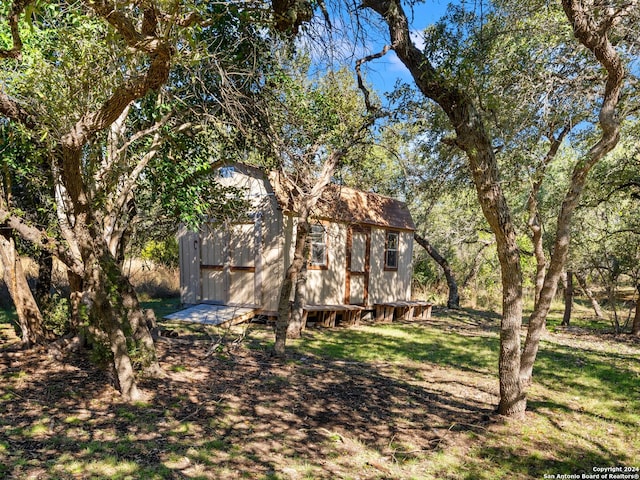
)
(420, 172)
(592, 28)
(57, 47)
(606, 243)
(308, 128)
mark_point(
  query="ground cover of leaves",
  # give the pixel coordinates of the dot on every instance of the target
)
(225, 409)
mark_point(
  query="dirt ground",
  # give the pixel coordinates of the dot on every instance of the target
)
(245, 415)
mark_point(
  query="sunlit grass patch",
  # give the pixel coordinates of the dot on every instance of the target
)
(402, 343)
(41, 427)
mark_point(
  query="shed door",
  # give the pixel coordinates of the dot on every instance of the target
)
(242, 264)
(228, 264)
(358, 264)
(214, 248)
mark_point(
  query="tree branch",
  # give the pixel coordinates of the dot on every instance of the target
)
(16, 50)
(41, 239)
(361, 85)
(11, 109)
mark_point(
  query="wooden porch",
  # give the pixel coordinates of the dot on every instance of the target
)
(327, 314)
(397, 311)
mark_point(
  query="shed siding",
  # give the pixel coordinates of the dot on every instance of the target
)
(273, 248)
(327, 286)
(189, 259)
(393, 285)
(246, 262)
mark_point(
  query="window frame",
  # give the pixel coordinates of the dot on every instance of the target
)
(387, 250)
(311, 265)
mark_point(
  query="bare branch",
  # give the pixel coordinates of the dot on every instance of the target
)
(361, 86)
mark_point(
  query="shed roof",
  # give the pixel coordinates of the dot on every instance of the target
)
(350, 205)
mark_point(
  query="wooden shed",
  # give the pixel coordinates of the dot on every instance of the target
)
(361, 249)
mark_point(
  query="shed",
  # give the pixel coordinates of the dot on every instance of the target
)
(361, 248)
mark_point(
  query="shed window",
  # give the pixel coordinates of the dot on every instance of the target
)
(226, 172)
(318, 240)
(391, 251)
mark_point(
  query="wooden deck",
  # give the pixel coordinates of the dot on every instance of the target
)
(327, 314)
(390, 311)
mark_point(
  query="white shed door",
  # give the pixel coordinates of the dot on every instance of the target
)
(214, 244)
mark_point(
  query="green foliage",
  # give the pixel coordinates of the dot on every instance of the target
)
(527, 261)
(57, 315)
(304, 118)
(100, 353)
(425, 272)
(161, 252)
(63, 49)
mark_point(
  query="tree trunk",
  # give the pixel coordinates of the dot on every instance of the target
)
(108, 303)
(114, 309)
(76, 309)
(102, 312)
(582, 283)
(299, 299)
(29, 316)
(535, 221)
(473, 139)
(635, 328)
(611, 295)
(541, 260)
(568, 298)
(137, 320)
(284, 309)
(597, 41)
(45, 272)
(453, 300)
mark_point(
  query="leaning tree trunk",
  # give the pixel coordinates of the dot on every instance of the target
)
(535, 222)
(32, 330)
(305, 204)
(568, 298)
(114, 309)
(515, 370)
(103, 315)
(453, 300)
(299, 298)
(584, 286)
(105, 297)
(474, 140)
(594, 37)
(111, 304)
(133, 316)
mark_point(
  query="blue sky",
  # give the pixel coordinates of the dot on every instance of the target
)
(335, 47)
(384, 72)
